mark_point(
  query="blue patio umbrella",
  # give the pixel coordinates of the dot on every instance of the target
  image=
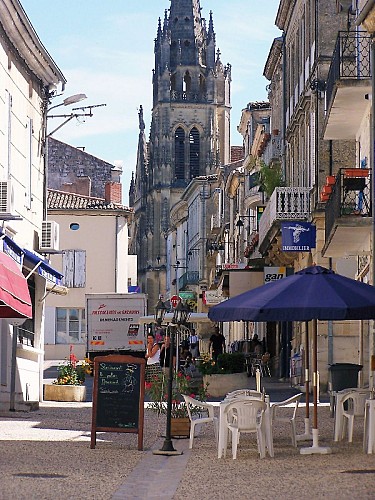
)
(314, 293)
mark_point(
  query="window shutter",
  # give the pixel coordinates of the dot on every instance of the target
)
(80, 268)
(68, 268)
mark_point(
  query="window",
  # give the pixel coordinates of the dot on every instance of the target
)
(179, 143)
(70, 326)
(29, 161)
(194, 153)
(187, 81)
(74, 226)
(74, 268)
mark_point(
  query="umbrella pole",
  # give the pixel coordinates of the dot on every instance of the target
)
(306, 436)
(315, 448)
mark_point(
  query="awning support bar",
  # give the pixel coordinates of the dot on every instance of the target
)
(33, 270)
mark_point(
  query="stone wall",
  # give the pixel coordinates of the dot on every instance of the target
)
(67, 164)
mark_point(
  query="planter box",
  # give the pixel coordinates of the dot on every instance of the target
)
(220, 385)
(327, 189)
(54, 392)
(180, 427)
(356, 172)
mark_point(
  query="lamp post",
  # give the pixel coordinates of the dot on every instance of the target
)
(180, 316)
(76, 113)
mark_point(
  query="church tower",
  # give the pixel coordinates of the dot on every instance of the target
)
(189, 134)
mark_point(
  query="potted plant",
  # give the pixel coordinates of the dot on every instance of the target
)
(157, 390)
(69, 383)
(225, 375)
(270, 178)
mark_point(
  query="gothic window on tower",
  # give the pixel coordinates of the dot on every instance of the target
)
(179, 147)
(187, 82)
(194, 141)
(202, 85)
(173, 82)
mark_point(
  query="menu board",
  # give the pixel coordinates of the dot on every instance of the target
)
(118, 398)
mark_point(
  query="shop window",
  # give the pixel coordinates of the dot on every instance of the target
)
(70, 325)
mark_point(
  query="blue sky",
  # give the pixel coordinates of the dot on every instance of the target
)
(105, 50)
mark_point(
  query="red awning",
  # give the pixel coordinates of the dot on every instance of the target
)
(15, 299)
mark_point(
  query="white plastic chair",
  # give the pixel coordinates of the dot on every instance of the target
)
(196, 419)
(291, 403)
(248, 418)
(356, 401)
(338, 409)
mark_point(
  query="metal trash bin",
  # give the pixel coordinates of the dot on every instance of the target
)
(343, 376)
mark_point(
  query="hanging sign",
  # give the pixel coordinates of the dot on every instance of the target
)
(298, 236)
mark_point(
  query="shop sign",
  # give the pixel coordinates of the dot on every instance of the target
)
(187, 295)
(234, 266)
(274, 274)
(211, 297)
(298, 236)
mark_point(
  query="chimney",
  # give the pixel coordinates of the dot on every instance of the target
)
(113, 192)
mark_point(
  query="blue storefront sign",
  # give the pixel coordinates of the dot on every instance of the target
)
(298, 236)
(13, 250)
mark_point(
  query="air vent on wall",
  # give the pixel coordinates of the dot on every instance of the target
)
(6, 197)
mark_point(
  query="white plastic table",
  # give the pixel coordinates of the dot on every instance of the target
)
(369, 427)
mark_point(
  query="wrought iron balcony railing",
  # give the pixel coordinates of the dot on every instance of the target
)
(351, 60)
(188, 96)
(26, 337)
(286, 203)
(351, 196)
(188, 278)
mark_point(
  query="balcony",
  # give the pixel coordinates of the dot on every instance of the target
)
(272, 151)
(348, 221)
(215, 224)
(188, 96)
(348, 82)
(188, 278)
(26, 337)
(286, 203)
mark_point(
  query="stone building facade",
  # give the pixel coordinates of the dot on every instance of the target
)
(189, 134)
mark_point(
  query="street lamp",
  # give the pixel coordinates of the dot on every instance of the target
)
(160, 310)
(180, 316)
(66, 102)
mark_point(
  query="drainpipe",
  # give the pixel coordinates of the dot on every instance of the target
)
(13, 370)
(116, 252)
(330, 324)
(372, 158)
(284, 107)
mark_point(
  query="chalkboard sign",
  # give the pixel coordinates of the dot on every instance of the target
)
(118, 399)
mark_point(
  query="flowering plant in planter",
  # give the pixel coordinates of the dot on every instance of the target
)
(226, 363)
(157, 389)
(72, 372)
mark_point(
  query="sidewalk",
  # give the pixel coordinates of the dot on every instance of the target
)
(46, 454)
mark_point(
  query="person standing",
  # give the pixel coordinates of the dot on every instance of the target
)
(194, 345)
(217, 343)
(165, 355)
(153, 358)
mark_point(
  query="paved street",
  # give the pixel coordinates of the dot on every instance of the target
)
(46, 454)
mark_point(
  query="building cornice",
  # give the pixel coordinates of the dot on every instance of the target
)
(23, 37)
